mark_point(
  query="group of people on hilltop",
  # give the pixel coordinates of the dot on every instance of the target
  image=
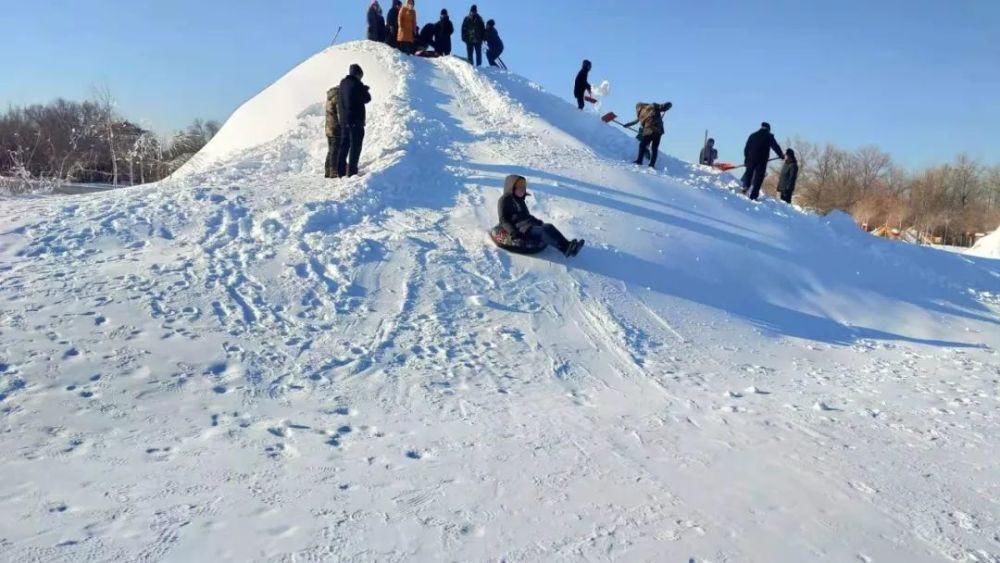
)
(756, 155)
(399, 29)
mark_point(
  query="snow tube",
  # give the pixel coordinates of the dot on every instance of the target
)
(518, 244)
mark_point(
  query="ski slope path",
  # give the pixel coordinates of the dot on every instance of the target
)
(250, 362)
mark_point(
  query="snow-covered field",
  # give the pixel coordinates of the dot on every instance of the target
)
(249, 362)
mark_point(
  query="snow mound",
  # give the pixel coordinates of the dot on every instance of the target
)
(251, 362)
(987, 247)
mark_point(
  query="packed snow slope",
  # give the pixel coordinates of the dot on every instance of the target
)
(250, 362)
(987, 247)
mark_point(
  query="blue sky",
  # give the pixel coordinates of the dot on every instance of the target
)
(919, 78)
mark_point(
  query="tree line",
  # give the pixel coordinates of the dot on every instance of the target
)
(945, 204)
(89, 142)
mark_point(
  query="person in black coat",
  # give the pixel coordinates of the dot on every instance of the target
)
(789, 174)
(755, 153)
(376, 23)
(708, 153)
(392, 23)
(582, 86)
(494, 45)
(518, 221)
(445, 30)
(427, 37)
(473, 35)
(354, 95)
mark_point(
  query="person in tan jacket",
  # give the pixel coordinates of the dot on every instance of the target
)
(650, 120)
(406, 35)
(332, 132)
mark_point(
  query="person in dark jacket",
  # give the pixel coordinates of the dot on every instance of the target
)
(708, 154)
(332, 132)
(494, 45)
(445, 30)
(473, 34)
(427, 37)
(789, 174)
(518, 221)
(354, 95)
(582, 85)
(376, 23)
(755, 153)
(651, 129)
(392, 23)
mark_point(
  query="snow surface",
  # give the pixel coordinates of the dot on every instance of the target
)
(987, 247)
(249, 362)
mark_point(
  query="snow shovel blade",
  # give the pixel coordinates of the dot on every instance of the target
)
(609, 117)
(724, 166)
(590, 99)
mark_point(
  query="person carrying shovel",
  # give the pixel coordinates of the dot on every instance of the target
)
(650, 120)
(755, 153)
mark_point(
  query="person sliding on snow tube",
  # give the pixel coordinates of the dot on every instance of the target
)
(519, 231)
(650, 120)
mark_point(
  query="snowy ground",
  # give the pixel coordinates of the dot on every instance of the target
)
(249, 362)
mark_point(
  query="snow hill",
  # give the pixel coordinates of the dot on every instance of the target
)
(987, 247)
(250, 362)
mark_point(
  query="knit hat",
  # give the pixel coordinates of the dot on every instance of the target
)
(474, 9)
(491, 23)
(356, 71)
(444, 12)
(765, 125)
(790, 153)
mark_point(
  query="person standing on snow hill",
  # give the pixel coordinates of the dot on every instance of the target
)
(755, 153)
(708, 153)
(494, 45)
(581, 86)
(445, 30)
(376, 24)
(473, 34)
(392, 23)
(518, 221)
(407, 27)
(332, 132)
(650, 120)
(789, 174)
(354, 95)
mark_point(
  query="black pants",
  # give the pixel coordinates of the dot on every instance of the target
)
(652, 144)
(332, 154)
(478, 48)
(786, 197)
(492, 56)
(549, 234)
(351, 139)
(754, 178)
(579, 101)
(407, 47)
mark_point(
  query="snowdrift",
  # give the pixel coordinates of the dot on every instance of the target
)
(987, 247)
(250, 362)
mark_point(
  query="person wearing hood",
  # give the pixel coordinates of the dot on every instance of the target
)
(407, 27)
(518, 221)
(332, 132)
(392, 23)
(376, 23)
(354, 94)
(708, 153)
(582, 85)
(473, 34)
(759, 146)
(789, 174)
(650, 120)
(445, 30)
(494, 45)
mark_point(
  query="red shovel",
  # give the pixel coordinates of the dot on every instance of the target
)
(727, 166)
(612, 117)
(590, 99)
